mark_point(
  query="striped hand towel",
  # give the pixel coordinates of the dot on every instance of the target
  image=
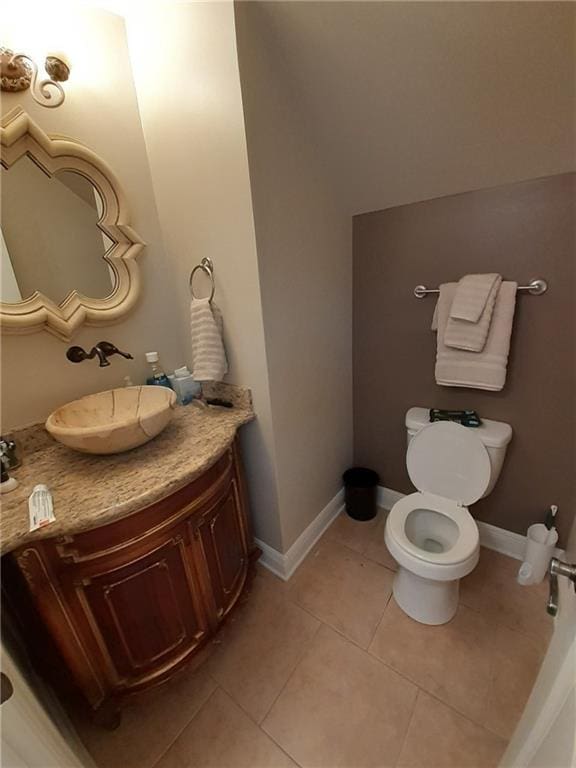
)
(471, 312)
(208, 355)
(477, 370)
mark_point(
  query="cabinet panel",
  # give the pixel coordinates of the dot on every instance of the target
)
(148, 612)
(223, 538)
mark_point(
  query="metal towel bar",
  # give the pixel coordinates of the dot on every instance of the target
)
(536, 287)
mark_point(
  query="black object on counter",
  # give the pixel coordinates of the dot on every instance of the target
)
(220, 403)
(360, 488)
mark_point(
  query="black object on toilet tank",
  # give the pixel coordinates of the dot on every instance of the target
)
(360, 488)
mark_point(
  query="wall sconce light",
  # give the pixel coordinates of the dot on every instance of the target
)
(18, 72)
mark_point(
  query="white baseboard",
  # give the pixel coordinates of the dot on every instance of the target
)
(387, 497)
(491, 537)
(284, 565)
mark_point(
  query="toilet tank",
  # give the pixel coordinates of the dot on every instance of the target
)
(494, 434)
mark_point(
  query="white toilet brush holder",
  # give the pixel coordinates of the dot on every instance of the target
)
(540, 545)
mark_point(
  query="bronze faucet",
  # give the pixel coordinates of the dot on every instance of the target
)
(103, 350)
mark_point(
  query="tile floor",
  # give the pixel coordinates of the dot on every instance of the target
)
(326, 672)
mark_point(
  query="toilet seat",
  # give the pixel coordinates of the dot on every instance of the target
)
(467, 540)
(449, 461)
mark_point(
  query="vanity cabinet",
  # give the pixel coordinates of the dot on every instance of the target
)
(129, 603)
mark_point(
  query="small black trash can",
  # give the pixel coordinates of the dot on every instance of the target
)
(360, 487)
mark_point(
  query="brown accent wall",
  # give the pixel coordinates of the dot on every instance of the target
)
(520, 230)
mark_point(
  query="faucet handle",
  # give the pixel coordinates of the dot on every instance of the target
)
(110, 349)
(76, 354)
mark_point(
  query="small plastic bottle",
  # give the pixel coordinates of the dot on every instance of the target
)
(184, 385)
(157, 376)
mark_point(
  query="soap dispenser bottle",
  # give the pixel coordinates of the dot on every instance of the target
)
(157, 376)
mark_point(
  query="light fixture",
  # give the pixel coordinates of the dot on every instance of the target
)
(18, 72)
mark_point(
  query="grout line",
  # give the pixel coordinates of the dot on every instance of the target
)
(420, 688)
(537, 642)
(200, 708)
(330, 626)
(462, 715)
(418, 692)
(280, 747)
(380, 622)
(438, 699)
(361, 554)
(291, 675)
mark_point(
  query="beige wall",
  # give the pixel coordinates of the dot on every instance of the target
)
(414, 100)
(304, 257)
(101, 111)
(191, 108)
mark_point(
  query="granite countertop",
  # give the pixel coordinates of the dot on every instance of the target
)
(90, 491)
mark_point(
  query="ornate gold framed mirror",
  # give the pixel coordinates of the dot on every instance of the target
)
(68, 250)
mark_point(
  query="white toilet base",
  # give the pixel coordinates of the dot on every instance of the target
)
(428, 601)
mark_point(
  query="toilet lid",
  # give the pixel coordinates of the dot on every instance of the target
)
(449, 460)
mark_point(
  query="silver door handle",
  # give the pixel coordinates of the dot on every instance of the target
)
(558, 568)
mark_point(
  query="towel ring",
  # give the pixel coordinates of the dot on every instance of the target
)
(208, 268)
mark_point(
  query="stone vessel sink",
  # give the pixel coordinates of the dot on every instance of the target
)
(113, 421)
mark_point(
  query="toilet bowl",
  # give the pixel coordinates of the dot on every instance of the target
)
(435, 543)
(431, 534)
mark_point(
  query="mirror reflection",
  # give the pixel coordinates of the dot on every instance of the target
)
(50, 238)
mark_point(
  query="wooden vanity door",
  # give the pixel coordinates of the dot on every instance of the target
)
(147, 611)
(223, 538)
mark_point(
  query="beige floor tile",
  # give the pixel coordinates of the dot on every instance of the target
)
(517, 660)
(355, 534)
(492, 589)
(223, 736)
(377, 549)
(439, 737)
(260, 646)
(341, 708)
(150, 724)
(453, 661)
(366, 538)
(343, 589)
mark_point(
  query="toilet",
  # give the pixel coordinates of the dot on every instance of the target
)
(431, 534)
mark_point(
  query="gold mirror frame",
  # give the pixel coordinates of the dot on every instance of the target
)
(21, 136)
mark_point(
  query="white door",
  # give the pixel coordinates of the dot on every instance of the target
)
(546, 734)
(29, 737)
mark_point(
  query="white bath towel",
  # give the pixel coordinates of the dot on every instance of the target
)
(477, 370)
(471, 312)
(208, 355)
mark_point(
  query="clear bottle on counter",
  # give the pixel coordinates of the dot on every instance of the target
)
(157, 376)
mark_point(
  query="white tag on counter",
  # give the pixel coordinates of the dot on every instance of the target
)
(40, 507)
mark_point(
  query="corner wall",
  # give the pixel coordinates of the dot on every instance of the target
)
(191, 107)
(522, 230)
(304, 259)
